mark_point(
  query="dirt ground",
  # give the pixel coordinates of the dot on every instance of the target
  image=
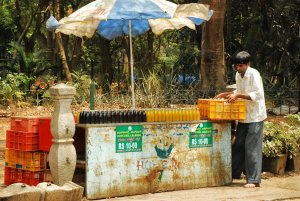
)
(274, 187)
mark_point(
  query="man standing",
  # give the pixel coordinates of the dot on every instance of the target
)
(247, 148)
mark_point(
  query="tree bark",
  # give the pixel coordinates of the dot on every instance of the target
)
(63, 57)
(126, 72)
(60, 45)
(212, 58)
(106, 69)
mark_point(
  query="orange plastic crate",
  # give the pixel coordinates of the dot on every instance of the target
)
(33, 161)
(25, 124)
(10, 158)
(213, 109)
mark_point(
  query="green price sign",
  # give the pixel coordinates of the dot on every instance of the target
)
(202, 137)
(129, 138)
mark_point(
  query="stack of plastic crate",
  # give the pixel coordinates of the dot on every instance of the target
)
(23, 161)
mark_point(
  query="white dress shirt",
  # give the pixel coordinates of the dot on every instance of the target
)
(252, 85)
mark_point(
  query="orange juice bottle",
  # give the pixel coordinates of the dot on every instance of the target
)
(197, 115)
(163, 115)
(149, 115)
(168, 116)
(184, 114)
(176, 115)
(157, 115)
(193, 114)
(154, 115)
(181, 116)
(76, 117)
(189, 115)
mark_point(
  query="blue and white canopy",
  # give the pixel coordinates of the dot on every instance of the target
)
(113, 18)
(110, 18)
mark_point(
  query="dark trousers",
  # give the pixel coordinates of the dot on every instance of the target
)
(247, 151)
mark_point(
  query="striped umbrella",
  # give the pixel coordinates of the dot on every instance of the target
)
(114, 18)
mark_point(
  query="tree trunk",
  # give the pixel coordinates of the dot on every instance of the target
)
(126, 72)
(63, 57)
(212, 58)
(106, 69)
(61, 47)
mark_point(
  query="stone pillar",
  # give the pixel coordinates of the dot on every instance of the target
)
(62, 155)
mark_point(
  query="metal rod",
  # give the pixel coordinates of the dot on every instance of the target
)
(131, 65)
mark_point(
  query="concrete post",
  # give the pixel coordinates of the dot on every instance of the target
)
(62, 155)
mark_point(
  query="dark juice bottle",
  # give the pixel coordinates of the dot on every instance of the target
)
(105, 120)
(113, 117)
(93, 117)
(88, 117)
(137, 116)
(81, 118)
(101, 118)
(126, 117)
(121, 116)
(97, 121)
(144, 117)
(117, 116)
(109, 117)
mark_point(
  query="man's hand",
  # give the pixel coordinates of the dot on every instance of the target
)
(223, 95)
(232, 97)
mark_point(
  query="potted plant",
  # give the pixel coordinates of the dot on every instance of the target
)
(274, 147)
(294, 141)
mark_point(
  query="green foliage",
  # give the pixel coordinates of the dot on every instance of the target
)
(273, 143)
(32, 63)
(294, 133)
(269, 30)
(81, 82)
(13, 88)
(282, 137)
(6, 25)
(150, 91)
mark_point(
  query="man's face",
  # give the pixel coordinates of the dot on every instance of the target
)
(241, 68)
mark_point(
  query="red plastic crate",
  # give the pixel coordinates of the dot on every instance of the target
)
(32, 178)
(7, 176)
(45, 136)
(10, 138)
(26, 141)
(25, 124)
(12, 175)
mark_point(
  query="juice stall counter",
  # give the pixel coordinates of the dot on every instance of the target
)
(124, 159)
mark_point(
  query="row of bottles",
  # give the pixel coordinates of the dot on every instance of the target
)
(106, 117)
(152, 115)
(173, 115)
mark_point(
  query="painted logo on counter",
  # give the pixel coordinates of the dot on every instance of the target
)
(129, 138)
(202, 136)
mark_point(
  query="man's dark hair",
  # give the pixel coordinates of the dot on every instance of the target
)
(242, 57)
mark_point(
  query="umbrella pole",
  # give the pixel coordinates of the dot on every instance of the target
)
(131, 65)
